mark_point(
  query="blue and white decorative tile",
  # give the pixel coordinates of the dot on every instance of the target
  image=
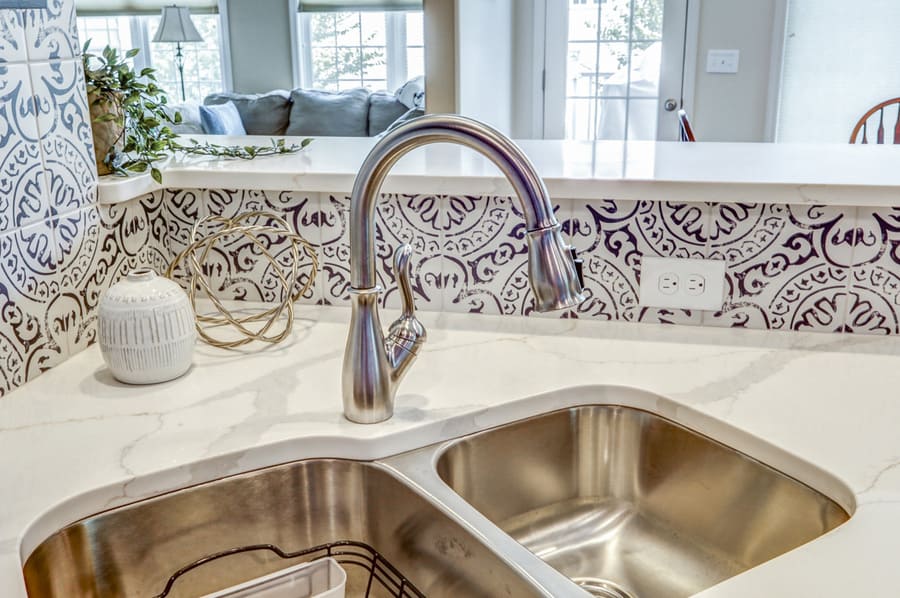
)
(65, 128)
(400, 219)
(51, 33)
(416, 220)
(788, 265)
(156, 253)
(874, 297)
(182, 208)
(23, 199)
(485, 266)
(30, 338)
(873, 303)
(486, 256)
(98, 246)
(612, 236)
(238, 269)
(334, 248)
(12, 36)
(90, 260)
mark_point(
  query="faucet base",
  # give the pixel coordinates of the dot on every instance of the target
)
(368, 390)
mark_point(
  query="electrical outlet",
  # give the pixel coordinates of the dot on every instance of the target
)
(682, 283)
(668, 283)
(694, 284)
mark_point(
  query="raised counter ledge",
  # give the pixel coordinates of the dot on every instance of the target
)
(828, 399)
(846, 175)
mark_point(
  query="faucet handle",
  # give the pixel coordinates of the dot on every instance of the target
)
(402, 273)
(407, 334)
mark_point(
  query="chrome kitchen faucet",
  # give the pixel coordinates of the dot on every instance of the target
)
(375, 365)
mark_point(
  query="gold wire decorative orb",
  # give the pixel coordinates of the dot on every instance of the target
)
(264, 324)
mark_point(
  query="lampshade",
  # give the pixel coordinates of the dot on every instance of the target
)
(176, 26)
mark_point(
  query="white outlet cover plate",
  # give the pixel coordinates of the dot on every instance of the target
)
(712, 271)
(723, 61)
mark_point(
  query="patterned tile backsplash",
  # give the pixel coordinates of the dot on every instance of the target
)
(50, 272)
(789, 267)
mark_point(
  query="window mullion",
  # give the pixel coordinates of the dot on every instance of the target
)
(362, 72)
(141, 41)
(395, 50)
(305, 58)
(629, 65)
(594, 115)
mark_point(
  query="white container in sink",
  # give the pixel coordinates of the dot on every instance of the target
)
(322, 578)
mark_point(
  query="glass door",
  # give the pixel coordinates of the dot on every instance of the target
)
(623, 62)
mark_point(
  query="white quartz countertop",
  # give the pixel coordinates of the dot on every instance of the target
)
(663, 171)
(74, 442)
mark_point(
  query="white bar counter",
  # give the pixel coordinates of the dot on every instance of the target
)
(844, 175)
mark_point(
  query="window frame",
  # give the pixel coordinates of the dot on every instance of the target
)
(141, 38)
(395, 49)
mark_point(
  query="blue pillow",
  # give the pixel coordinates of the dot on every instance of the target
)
(222, 119)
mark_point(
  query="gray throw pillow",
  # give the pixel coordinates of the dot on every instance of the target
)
(221, 119)
(327, 113)
(190, 118)
(262, 114)
(383, 110)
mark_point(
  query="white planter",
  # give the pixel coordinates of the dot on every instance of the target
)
(146, 329)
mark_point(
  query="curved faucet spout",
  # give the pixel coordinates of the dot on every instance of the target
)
(373, 365)
(512, 162)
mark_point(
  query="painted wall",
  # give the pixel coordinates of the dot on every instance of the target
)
(527, 102)
(440, 56)
(732, 107)
(260, 38)
(485, 61)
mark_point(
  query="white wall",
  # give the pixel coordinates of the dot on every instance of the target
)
(527, 64)
(484, 61)
(260, 36)
(440, 56)
(841, 58)
(733, 107)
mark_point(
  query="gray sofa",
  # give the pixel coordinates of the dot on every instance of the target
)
(304, 112)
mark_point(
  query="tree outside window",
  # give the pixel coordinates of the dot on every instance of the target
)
(613, 49)
(376, 50)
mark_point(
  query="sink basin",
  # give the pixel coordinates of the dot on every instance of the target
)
(627, 503)
(132, 551)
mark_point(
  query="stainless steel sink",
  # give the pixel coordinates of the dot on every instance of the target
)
(626, 503)
(132, 551)
(622, 502)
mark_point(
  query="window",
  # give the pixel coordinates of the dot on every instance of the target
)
(202, 60)
(613, 58)
(376, 50)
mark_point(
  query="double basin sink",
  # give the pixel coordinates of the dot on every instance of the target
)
(594, 500)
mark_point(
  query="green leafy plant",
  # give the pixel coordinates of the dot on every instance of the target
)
(133, 106)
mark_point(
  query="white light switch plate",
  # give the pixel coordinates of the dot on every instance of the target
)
(682, 283)
(722, 61)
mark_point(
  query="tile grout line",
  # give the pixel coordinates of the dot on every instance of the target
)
(851, 271)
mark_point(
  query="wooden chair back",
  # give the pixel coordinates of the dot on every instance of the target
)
(861, 131)
(687, 131)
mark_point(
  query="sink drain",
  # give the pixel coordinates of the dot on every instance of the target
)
(602, 588)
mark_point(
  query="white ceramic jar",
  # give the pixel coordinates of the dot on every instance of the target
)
(146, 329)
